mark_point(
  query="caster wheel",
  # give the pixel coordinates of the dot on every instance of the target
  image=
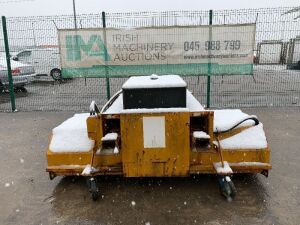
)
(232, 188)
(23, 89)
(93, 188)
(56, 74)
(227, 188)
(20, 89)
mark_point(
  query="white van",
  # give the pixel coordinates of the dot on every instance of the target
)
(44, 60)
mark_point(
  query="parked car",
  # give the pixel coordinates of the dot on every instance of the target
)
(22, 74)
(44, 60)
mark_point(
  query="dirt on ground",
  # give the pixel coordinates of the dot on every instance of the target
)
(28, 196)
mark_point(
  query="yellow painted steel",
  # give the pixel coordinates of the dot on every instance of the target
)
(94, 129)
(173, 160)
(68, 158)
(202, 162)
(178, 158)
(63, 159)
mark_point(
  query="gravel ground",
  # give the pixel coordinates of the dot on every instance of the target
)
(27, 196)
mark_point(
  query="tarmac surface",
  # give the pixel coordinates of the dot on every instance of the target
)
(27, 196)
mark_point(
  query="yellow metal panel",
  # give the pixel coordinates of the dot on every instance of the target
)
(94, 128)
(106, 160)
(202, 162)
(78, 158)
(173, 160)
(71, 158)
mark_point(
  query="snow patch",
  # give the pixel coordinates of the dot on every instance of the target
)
(226, 118)
(192, 103)
(250, 138)
(164, 81)
(200, 135)
(249, 164)
(71, 135)
(88, 170)
(114, 98)
(110, 137)
(116, 150)
(155, 110)
(116, 107)
(222, 170)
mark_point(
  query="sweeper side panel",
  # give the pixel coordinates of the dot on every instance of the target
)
(155, 144)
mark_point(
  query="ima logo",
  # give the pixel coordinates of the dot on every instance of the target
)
(77, 48)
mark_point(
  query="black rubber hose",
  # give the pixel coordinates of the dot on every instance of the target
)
(111, 101)
(249, 118)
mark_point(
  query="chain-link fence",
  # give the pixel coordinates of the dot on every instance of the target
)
(276, 80)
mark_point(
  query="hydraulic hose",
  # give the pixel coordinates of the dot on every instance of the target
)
(242, 121)
(111, 101)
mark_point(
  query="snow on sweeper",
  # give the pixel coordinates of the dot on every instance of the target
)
(155, 127)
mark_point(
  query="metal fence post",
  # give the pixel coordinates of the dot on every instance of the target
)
(9, 74)
(209, 61)
(105, 57)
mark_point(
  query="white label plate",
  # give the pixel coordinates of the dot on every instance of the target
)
(154, 132)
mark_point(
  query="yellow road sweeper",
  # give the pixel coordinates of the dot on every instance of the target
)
(155, 127)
